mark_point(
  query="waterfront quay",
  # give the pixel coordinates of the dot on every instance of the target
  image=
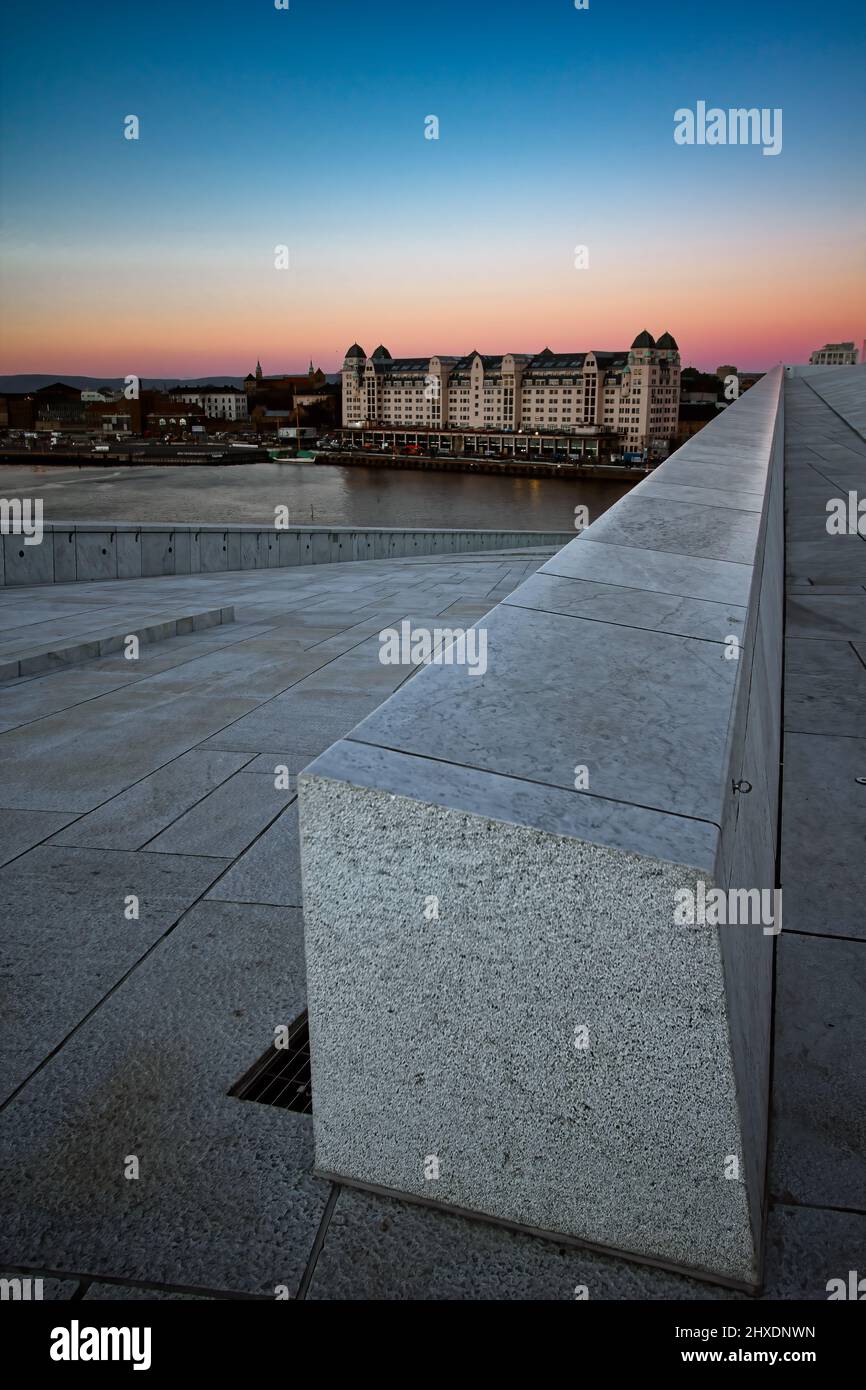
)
(520, 466)
(578, 453)
(169, 784)
(544, 457)
(575, 445)
(133, 452)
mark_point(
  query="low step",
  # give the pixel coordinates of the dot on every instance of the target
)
(49, 656)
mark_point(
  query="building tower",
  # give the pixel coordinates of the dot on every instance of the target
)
(354, 364)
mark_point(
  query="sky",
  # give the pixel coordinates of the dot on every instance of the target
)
(305, 128)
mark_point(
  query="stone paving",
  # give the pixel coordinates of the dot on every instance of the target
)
(818, 1122)
(122, 1036)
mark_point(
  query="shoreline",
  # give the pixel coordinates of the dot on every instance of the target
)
(503, 467)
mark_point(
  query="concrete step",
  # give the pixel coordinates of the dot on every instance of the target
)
(29, 658)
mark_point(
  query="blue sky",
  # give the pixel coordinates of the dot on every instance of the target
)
(261, 126)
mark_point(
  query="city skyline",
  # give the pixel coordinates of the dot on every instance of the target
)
(306, 128)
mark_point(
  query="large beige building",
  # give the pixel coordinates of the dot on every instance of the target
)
(635, 392)
(834, 355)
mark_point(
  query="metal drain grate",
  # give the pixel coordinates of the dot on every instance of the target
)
(282, 1076)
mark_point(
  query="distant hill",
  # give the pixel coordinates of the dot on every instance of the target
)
(31, 381)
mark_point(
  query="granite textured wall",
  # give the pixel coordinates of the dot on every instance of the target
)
(507, 1013)
(108, 550)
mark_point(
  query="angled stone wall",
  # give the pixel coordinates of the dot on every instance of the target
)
(508, 1013)
(122, 550)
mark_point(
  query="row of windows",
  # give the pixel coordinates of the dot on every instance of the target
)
(588, 377)
(612, 396)
(536, 412)
(496, 384)
(464, 412)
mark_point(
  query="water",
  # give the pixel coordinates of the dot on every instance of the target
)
(321, 494)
